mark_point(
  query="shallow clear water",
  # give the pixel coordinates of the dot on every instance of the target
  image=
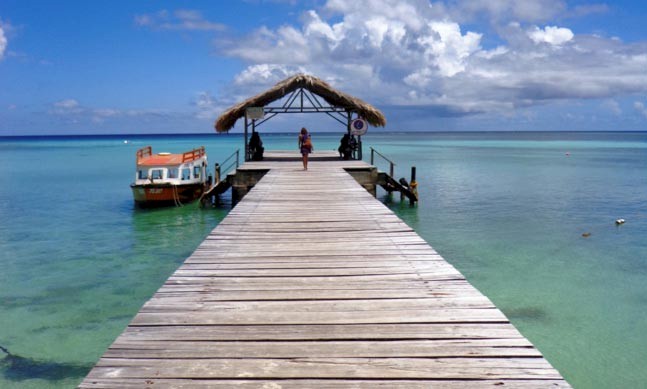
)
(507, 209)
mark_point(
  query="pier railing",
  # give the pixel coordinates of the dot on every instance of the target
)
(193, 154)
(227, 165)
(391, 163)
(388, 182)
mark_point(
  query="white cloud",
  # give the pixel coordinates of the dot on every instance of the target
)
(506, 10)
(182, 19)
(264, 74)
(76, 112)
(66, 107)
(588, 9)
(3, 42)
(106, 112)
(447, 48)
(551, 34)
(208, 107)
(409, 52)
(613, 107)
(640, 108)
(67, 104)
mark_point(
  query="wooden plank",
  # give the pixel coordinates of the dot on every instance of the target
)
(347, 368)
(174, 304)
(361, 317)
(344, 280)
(514, 348)
(199, 294)
(136, 383)
(324, 332)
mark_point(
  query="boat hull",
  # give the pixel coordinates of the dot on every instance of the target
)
(163, 195)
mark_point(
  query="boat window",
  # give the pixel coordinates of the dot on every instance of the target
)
(142, 174)
(173, 173)
(157, 174)
(196, 172)
(186, 174)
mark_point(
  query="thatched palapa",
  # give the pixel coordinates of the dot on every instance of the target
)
(313, 84)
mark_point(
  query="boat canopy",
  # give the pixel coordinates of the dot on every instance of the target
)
(146, 158)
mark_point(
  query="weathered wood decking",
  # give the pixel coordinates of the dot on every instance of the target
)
(310, 282)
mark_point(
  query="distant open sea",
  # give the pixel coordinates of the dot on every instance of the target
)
(77, 261)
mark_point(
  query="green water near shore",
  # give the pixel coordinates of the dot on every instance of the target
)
(508, 210)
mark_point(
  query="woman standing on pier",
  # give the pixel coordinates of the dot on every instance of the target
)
(305, 144)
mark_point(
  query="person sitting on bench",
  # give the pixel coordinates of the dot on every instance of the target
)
(256, 148)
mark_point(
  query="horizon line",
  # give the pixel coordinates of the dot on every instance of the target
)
(321, 132)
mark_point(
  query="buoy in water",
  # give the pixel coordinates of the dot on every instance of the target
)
(620, 221)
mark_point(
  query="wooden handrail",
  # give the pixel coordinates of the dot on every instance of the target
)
(392, 164)
(144, 152)
(193, 154)
(233, 163)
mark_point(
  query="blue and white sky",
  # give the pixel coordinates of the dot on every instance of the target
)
(123, 67)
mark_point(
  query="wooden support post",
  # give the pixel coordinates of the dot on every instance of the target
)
(249, 152)
(348, 117)
(359, 147)
(246, 141)
(215, 199)
(413, 185)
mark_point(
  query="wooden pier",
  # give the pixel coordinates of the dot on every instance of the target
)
(310, 282)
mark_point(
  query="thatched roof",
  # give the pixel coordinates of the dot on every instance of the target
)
(315, 85)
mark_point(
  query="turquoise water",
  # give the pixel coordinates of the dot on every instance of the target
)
(507, 209)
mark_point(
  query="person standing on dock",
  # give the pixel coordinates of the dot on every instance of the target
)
(305, 144)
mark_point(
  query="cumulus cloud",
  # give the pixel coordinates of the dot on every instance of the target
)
(640, 108)
(264, 74)
(416, 53)
(502, 12)
(66, 107)
(66, 104)
(506, 10)
(72, 109)
(207, 106)
(3, 42)
(613, 107)
(178, 20)
(551, 34)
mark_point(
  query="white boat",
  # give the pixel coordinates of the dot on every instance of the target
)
(169, 179)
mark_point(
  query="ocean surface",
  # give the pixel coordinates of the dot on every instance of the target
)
(509, 210)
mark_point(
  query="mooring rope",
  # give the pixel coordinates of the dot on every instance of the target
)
(176, 197)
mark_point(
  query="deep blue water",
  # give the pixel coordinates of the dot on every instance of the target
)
(507, 209)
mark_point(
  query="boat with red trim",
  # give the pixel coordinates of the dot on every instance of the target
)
(165, 179)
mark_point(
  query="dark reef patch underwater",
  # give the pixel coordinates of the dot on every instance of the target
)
(17, 368)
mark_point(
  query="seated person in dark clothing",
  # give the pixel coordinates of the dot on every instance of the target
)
(345, 149)
(256, 148)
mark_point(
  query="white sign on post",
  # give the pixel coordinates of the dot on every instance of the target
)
(358, 127)
(255, 113)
